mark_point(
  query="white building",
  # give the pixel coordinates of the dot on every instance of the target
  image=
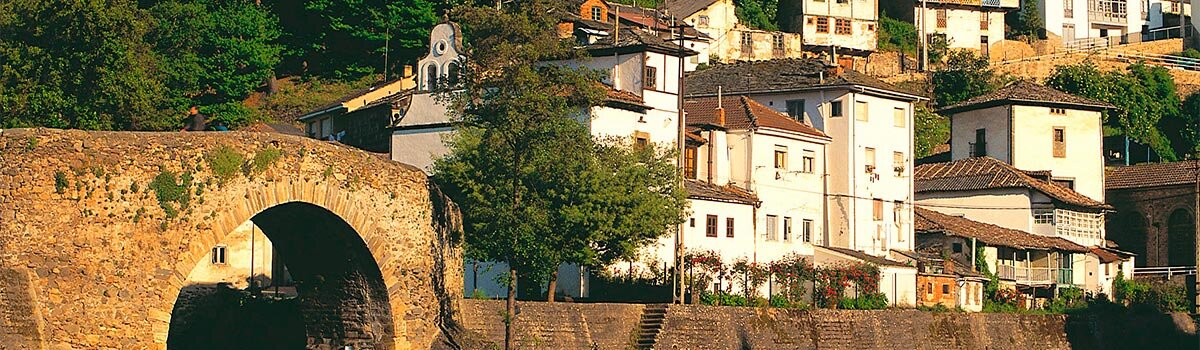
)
(849, 26)
(1113, 21)
(869, 187)
(965, 25)
(730, 40)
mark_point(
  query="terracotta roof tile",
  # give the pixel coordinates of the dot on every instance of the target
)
(1105, 255)
(1152, 174)
(929, 221)
(989, 173)
(779, 75)
(686, 8)
(742, 113)
(624, 96)
(1025, 91)
(708, 191)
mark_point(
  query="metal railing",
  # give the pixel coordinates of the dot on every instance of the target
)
(1091, 44)
(1167, 271)
(1035, 274)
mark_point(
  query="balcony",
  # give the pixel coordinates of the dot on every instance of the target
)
(978, 149)
(1112, 12)
(1036, 275)
(1008, 4)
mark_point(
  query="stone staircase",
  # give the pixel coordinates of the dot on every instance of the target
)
(652, 322)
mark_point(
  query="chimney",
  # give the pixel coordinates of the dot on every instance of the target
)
(948, 266)
(720, 117)
(408, 70)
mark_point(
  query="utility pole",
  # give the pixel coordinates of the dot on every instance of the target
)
(924, 38)
(387, 40)
(1196, 226)
(677, 28)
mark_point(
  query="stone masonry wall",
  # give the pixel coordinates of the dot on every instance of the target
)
(106, 261)
(610, 326)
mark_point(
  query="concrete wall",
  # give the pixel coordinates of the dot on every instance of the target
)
(1032, 137)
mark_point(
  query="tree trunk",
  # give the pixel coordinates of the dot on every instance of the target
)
(511, 309)
(553, 284)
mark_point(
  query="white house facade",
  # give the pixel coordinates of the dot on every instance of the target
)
(965, 25)
(1115, 21)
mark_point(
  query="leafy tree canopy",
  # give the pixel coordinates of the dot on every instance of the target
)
(350, 35)
(758, 14)
(963, 76)
(897, 35)
(930, 131)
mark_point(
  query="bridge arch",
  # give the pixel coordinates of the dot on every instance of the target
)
(105, 261)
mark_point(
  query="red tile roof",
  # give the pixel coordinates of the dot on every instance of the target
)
(989, 173)
(929, 221)
(1152, 174)
(707, 191)
(742, 113)
(624, 96)
(1025, 92)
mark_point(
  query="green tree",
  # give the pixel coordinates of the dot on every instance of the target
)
(215, 53)
(897, 35)
(1026, 22)
(517, 122)
(930, 130)
(1144, 97)
(350, 35)
(757, 14)
(1184, 131)
(965, 75)
(76, 64)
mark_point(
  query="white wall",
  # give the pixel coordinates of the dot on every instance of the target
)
(1006, 207)
(1084, 162)
(995, 122)
(236, 269)
(419, 147)
(864, 17)
(962, 29)
(786, 193)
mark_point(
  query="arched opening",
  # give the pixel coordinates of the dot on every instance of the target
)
(1131, 235)
(452, 74)
(338, 297)
(431, 76)
(1181, 239)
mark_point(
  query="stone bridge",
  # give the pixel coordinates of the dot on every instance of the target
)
(99, 231)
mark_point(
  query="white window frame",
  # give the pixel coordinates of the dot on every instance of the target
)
(219, 255)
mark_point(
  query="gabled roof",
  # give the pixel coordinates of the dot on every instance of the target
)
(632, 39)
(729, 194)
(1028, 93)
(346, 98)
(782, 75)
(983, 173)
(686, 8)
(931, 222)
(1152, 174)
(743, 113)
(868, 258)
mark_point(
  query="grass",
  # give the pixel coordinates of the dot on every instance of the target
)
(225, 163)
(299, 95)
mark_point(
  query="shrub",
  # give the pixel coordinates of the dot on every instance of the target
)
(225, 162)
(868, 301)
(234, 114)
(1068, 299)
(936, 308)
(169, 191)
(263, 160)
(783, 303)
(60, 182)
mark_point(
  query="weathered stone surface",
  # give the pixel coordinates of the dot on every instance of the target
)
(105, 264)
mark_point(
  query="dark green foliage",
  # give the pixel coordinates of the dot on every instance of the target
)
(60, 182)
(965, 75)
(1026, 22)
(346, 38)
(1163, 296)
(1190, 53)
(757, 14)
(263, 160)
(727, 299)
(171, 191)
(868, 301)
(1069, 299)
(225, 163)
(930, 131)
(233, 113)
(897, 35)
(1184, 131)
(1144, 95)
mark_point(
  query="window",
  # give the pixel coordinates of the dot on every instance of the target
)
(641, 140)
(1060, 142)
(772, 220)
(729, 227)
(452, 74)
(1043, 216)
(689, 162)
(941, 19)
(957, 247)
(218, 255)
(1069, 8)
(781, 157)
(787, 228)
(860, 111)
(597, 13)
(897, 213)
(945, 288)
(843, 1)
(431, 76)
(1068, 183)
(899, 117)
(877, 209)
(983, 46)
(979, 147)
(703, 20)
(898, 163)
(650, 80)
(1058, 111)
(747, 44)
(835, 108)
(869, 159)
(777, 44)
(710, 226)
(807, 230)
(984, 21)
(795, 109)
(692, 222)
(842, 27)
(807, 164)
(822, 24)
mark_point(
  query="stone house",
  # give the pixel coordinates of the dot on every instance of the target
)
(965, 25)
(869, 187)
(947, 281)
(1156, 212)
(730, 40)
(1032, 264)
(897, 279)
